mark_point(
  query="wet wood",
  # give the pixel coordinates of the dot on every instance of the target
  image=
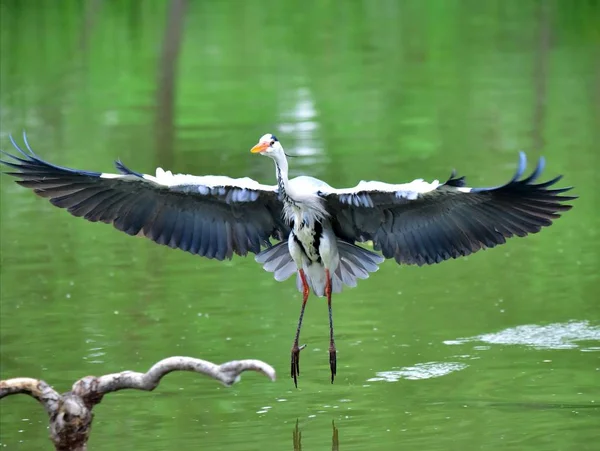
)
(70, 414)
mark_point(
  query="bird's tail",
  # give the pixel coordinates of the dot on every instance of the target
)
(277, 259)
(355, 263)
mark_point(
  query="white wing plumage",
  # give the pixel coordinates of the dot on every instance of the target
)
(167, 178)
(362, 192)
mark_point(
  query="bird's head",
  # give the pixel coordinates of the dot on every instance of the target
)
(269, 146)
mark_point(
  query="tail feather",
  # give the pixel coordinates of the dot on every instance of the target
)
(272, 252)
(315, 276)
(285, 272)
(353, 267)
(345, 272)
(275, 263)
(355, 263)
(362, 254)
(277, 259)
(336, 283)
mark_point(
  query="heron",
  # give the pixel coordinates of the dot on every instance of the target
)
(302, 225)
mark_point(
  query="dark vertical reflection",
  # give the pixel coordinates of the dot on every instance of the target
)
(335, 440)
(541, 74)
(90, 14)
(166, 88)
(134, 25)
(297, 438)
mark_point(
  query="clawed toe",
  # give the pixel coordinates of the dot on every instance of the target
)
(295, 366)
(332, 363)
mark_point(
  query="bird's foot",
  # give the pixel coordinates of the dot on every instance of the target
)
(332, 362)
(296, 362)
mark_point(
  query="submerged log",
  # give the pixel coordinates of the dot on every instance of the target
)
(71, 414)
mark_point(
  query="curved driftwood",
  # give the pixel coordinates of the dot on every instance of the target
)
(71, 413)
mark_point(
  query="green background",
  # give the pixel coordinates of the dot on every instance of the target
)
(499, 350)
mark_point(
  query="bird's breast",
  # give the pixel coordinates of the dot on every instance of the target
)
(308, 235)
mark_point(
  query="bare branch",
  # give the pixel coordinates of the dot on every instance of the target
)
(231, 372)
(227, 373)
(35, 388)
(71, 413)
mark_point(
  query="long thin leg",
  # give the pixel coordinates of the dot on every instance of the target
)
(295, 348)
(332, 351)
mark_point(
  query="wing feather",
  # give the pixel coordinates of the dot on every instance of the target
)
(425, 223)
(212, 216)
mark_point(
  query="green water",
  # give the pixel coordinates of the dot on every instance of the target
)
(496, 351)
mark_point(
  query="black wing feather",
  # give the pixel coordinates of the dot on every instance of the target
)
(449, 222)
(213, 222)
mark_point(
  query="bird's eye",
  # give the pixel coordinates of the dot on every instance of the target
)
(272, 142)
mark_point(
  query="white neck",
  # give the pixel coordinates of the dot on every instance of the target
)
(281, 172)
(299, 206)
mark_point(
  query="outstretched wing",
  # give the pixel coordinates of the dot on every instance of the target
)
(425, 223)
(211, 216)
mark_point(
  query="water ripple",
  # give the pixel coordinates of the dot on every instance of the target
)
(419, 371)
(551, 336)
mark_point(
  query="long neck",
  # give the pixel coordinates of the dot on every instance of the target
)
(299, 207)
(281, 171)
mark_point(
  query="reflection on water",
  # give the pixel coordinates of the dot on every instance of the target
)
(392, 91)
(297, 438)
(264, 409)
(551, 336)
(335, 439)
(96, 352)
(300, 123)
(419, 371)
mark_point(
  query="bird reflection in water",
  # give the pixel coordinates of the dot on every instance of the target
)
(297, 438)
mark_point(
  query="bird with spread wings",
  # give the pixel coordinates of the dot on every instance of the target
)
(316, 227)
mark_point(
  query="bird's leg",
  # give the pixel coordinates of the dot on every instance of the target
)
(332, 351)
(295, 348)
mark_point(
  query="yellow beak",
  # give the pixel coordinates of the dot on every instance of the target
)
(260, 147)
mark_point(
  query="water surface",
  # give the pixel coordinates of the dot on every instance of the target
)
(496, 351)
